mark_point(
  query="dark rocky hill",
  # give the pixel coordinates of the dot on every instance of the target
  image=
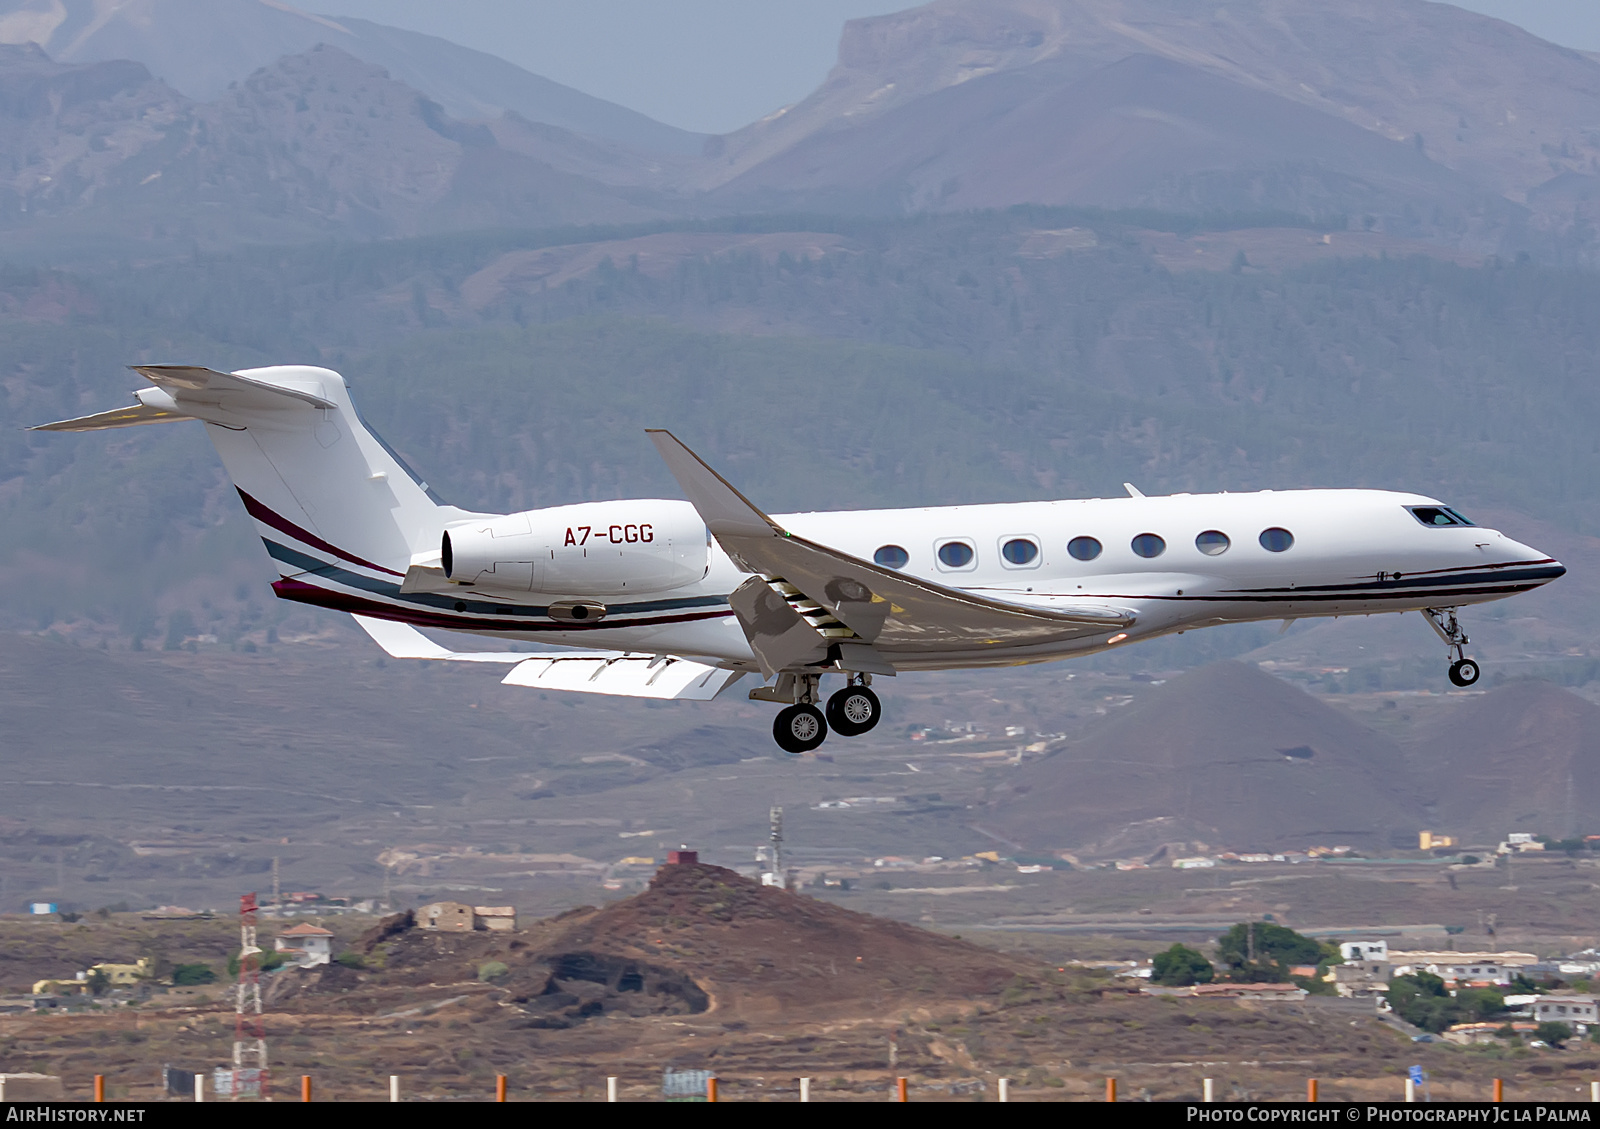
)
(1224, 755)
(699, 939)
(1523, 757)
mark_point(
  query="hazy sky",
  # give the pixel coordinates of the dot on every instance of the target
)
(715, 65)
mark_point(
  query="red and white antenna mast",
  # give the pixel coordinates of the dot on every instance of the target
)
(249, 1029)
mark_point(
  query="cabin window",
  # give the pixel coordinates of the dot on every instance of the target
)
(955, 554)
(1083, 548)
(891, 556)
(1149, 545)
(1276, 540)
(1212, 543)
(1020, 552)
(1437, 515)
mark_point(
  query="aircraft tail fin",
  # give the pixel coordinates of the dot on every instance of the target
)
(321, 486)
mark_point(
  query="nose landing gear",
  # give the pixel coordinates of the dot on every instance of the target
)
(802, 727)
(1463, 671)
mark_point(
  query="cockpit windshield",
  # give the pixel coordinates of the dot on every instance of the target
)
(1437, 515)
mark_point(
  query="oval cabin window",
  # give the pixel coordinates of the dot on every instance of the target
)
(1083, 548)
(1019, 551)
(1212, 543)
(1276, 540)
(1149, 545)
(955, 554)
(891, 556)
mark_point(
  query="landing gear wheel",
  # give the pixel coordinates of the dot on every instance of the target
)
(853, 711)
(1464, 672)
(799, 729)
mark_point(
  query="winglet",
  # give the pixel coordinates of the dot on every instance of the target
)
(721, 507)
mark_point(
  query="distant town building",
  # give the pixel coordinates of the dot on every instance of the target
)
(1462, 968)
(1364, 950)
(306, 945)
(1467, 1034)
(1519, 841)
(495, 919)
(682, 858)
(1562, 1007)
(1360, 979)
(1428, 840)
(116, 976)
(1248, 991)
(447, 917)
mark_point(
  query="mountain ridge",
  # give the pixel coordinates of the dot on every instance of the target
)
(200, 49)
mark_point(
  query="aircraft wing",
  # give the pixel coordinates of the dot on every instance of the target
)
(889, 611)
(619, 673)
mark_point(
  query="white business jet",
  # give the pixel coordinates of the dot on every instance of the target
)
(673, 599)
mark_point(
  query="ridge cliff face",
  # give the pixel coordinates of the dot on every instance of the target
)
(1486, 98)
(1407, 116)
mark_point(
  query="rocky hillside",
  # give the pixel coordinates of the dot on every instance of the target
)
(1398, 114)
(201, 50)
(1224, 754)
(316, 145)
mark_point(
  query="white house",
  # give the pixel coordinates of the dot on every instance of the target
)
(307, 945)
(1463, 968)
(1578, 1011)
(1364, 950)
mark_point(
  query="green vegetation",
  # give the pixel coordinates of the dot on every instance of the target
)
(1422, 1000)
(1263, 952)
(269, 962)
(1181, 966)
(1554, 1033)
(186, 975)
(491, 970)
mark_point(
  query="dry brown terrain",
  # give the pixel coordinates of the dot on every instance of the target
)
(708, 970)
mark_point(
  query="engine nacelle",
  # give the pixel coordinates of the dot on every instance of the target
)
(590, 549)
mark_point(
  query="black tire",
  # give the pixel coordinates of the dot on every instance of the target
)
(799, 729)
(854, 711)
(1464, 672)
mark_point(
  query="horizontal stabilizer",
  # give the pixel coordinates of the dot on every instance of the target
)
(402, 641)
(627, 675)
(132, 416)
(898, 615)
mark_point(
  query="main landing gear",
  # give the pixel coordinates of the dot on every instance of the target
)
(1463, 671)
(802, 727)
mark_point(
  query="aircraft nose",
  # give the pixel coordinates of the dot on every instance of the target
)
(1543, 567)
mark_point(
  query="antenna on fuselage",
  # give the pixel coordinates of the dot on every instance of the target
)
(1133, 491)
